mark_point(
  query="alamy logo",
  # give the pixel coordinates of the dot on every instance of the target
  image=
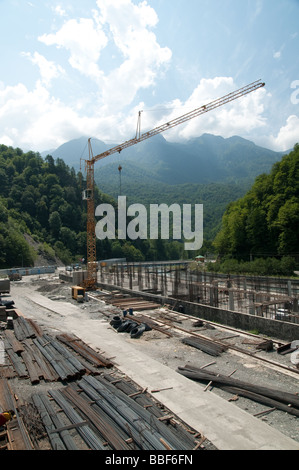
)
(146, 225)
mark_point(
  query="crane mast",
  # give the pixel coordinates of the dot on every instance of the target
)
(88, 194)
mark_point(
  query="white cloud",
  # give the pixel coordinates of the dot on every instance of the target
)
(122, 25)
(59, 10)
(34, 120)
(84, 43)
(49, 122)
(287, 136)
(5, 140)
(236, 118)
(143, 57)
(48, 69)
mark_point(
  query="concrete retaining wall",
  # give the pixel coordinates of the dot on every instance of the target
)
(273, 328)
(28, 271)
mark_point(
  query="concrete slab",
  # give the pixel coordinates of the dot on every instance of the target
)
(222, 422)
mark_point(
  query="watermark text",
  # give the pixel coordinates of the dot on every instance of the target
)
(186, 222)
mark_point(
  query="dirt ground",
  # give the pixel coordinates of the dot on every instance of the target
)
(169, 350)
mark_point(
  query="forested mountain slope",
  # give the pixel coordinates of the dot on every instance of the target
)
(266, 220)
(41, 198)
(42, 213)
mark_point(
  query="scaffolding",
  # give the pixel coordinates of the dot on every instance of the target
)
(274, 298)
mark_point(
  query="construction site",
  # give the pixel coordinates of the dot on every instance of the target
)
(121, 368)
(154, 357)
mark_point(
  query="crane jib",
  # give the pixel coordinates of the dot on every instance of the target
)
(184, 118)
(88, 194)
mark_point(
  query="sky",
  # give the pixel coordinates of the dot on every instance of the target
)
(70, 68)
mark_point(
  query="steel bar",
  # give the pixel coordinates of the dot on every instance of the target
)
(66, 354)
(46, 371)
(208, 346)
(55, 440)
(58, 366)
(17, 363)
(19, 438)
(63, 366)
(129, 413)
(279, 395)
(109, 432)
(91, 439)
(59, 427)
(30, 365)
(15, 344)
(136, 435)
(262, 399)
(95, 358)
(176, 442)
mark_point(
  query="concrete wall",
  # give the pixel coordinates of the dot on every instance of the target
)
(29, 271)
(273, 328)
(4, 286)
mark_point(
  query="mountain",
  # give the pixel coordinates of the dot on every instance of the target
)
(206, 159)
(209, 170)
(73, 151)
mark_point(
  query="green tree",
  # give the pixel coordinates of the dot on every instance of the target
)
(288, 223)
(266, 218)
(68, 238)
(55, 224)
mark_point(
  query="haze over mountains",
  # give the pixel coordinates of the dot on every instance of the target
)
(209, 170)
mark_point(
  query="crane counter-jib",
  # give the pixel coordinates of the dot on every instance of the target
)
(181, 119)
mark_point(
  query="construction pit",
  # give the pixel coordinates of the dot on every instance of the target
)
(77, 382)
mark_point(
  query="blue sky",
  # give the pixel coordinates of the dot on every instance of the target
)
(71, 68)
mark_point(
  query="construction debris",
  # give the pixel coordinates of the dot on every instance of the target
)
(288, 348)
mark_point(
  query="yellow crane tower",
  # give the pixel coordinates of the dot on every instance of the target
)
(88, 193)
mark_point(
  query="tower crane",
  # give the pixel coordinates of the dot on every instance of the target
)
(88, 193)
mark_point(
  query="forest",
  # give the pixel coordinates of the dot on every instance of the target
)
(42, 197)
(264, 223)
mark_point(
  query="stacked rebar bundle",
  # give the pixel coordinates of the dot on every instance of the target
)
(23, 329)
(66, 365)
(278, 399)
(93, 357)
(108, 418)
(208, 346)
(59, 437)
